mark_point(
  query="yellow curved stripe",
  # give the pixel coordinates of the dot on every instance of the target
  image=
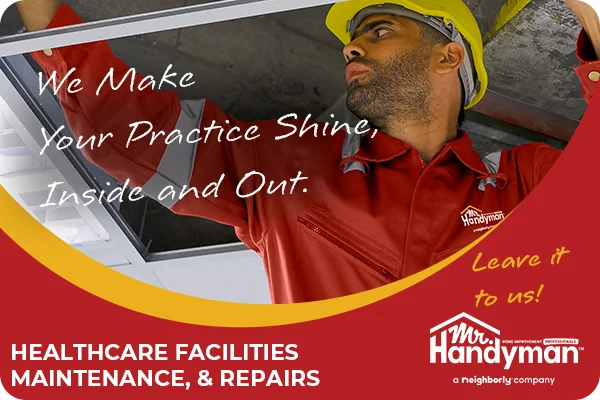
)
(135, 295)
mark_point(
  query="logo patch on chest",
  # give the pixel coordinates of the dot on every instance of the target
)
(479, 220)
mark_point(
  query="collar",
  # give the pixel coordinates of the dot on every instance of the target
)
(382, 148)
(462, 147)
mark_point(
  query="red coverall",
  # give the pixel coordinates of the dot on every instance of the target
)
(363, 218)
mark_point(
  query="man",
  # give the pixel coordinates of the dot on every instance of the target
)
(373, 211)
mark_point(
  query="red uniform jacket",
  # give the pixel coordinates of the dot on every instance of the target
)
(369, 213)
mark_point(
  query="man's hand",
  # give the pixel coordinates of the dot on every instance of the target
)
(37, 14)
(589, 19)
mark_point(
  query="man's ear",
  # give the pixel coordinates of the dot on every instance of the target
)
(448, 57)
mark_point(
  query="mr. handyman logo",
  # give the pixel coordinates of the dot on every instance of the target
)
(464, 339)
(479, 220)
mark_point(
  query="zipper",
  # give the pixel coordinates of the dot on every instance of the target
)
(348, 249)
(424, 165)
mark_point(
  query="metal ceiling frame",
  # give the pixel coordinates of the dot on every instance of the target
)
(18, 86)
(526, 116)
(25, 121)
(151, 268)
(182, 17)
(49, 114)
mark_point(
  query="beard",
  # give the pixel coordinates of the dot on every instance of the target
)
(397, 90)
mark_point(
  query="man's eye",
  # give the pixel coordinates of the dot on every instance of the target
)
(380, 32)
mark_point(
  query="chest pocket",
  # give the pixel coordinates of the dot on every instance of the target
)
(492, 163)
(351, 244)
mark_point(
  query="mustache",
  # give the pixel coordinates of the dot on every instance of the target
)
(364, 62)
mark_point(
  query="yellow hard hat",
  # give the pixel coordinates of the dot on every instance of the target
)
(451, 17)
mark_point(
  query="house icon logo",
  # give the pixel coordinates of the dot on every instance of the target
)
(479, 220)
(471, 212)
(464, 339)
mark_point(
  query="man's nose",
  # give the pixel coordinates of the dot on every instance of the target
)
(353, 50)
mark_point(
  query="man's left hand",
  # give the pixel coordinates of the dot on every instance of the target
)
(588, 12)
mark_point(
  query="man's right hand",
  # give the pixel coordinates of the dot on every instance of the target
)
(37, 14)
